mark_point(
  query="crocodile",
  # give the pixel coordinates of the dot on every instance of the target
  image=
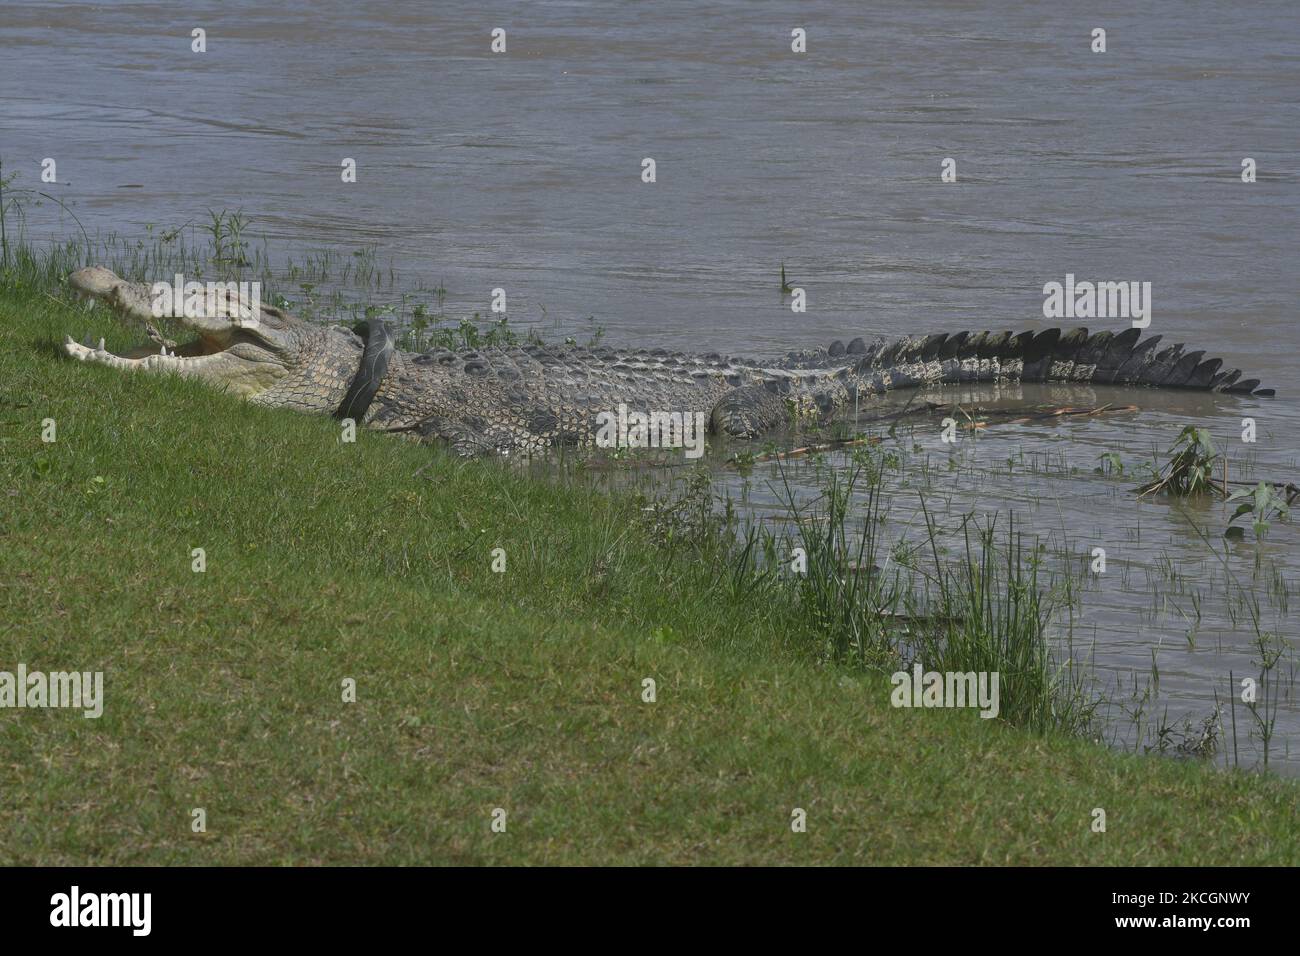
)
(526, 399)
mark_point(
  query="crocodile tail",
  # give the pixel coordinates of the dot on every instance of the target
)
(1103, 358)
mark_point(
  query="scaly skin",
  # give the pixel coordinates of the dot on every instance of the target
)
(530, 398)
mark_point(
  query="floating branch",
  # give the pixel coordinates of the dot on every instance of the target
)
(813, 449)
(1040, 415)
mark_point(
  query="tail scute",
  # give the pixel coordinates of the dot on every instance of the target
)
(1104, 358)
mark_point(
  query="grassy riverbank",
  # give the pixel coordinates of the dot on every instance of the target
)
(474, 690)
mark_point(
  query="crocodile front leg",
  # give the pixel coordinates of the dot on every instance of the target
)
(470, 442)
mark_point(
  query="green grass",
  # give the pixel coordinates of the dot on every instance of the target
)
(475, 690)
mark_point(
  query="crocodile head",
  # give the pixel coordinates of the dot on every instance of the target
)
(254, 351)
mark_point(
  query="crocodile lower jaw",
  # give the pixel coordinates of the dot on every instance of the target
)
(160, 359)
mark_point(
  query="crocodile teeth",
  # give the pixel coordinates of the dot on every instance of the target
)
(100, 347)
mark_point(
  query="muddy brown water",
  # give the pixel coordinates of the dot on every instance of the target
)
(522, 171)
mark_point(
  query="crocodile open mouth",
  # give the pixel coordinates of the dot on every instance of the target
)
(220, 322)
